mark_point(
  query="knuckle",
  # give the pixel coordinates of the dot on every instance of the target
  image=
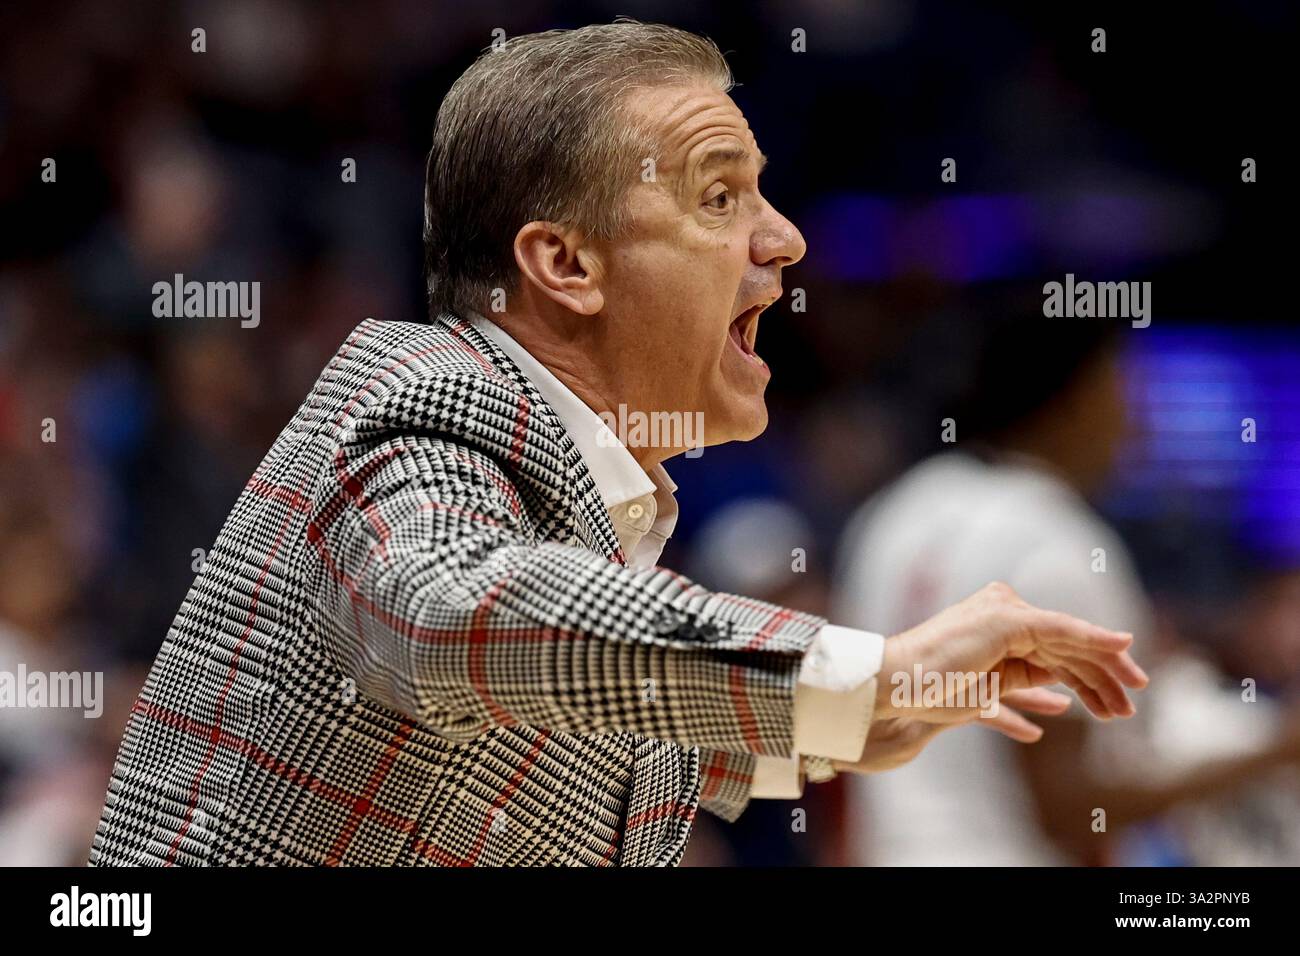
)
(999, 589)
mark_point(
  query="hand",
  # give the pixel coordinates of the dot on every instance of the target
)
(895, 741)
(994, 632)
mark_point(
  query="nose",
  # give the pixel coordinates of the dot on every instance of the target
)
(776, 241)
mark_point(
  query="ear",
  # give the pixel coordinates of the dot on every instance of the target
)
(558, 265)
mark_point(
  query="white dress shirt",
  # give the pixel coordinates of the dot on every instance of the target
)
(836, 690)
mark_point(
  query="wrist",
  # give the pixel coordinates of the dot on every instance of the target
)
(890, 662)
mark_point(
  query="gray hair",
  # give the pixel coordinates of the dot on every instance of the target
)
(534, 130)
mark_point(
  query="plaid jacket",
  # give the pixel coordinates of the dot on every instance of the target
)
(416, 642)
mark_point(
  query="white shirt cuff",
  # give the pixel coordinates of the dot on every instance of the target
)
(776, 778)
(836, 693)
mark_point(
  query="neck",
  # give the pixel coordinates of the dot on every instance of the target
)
(571, 348)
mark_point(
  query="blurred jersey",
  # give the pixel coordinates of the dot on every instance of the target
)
(941, 532)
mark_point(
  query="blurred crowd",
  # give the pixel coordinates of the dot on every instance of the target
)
(125, 438)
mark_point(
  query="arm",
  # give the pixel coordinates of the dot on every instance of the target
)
(1066, 789)
(833, 704)
(730, 781)
(431, 592)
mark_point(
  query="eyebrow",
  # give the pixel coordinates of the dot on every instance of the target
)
(723, 155)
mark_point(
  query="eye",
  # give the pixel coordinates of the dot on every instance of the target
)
(720, 202)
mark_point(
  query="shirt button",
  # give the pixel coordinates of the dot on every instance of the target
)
(635, 511)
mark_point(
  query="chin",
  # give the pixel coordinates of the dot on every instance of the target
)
(745, 424)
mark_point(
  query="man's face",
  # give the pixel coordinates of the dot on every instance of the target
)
(703, 257)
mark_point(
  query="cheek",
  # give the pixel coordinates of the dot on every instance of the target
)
(683, 284)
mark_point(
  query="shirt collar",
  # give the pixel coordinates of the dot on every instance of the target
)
(621, 481)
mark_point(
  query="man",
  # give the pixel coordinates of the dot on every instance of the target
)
(1043, 425)
(432, 631)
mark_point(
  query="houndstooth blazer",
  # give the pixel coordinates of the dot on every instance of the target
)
(416, 642)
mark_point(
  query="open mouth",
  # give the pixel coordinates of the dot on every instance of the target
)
(744, 332)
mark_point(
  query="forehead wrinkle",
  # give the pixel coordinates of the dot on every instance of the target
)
(693, 119)
(696, 119)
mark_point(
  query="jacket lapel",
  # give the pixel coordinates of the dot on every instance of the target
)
(584, 508)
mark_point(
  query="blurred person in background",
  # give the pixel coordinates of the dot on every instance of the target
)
(52, 755)
(1038, 434)
(1234, 693)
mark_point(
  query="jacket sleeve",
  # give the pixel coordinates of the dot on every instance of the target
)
(430, 589)
(726, 782)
